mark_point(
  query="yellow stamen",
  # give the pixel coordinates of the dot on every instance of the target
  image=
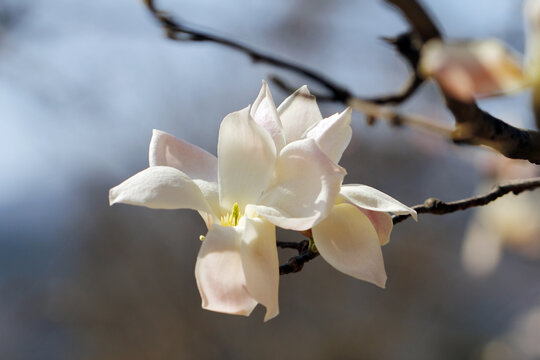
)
(232, 218)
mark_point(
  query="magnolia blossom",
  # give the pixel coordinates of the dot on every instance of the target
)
(350, 237)
(257, 181)
(487, 67)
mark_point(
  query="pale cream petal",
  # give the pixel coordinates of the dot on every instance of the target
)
(167, 150)
(382, 223)
(347, 240)
(220, 274)
(261, 264)
(246, 160)
(333, 134)
(298, 113)
(372, 199)
(304, 190)
(160, 187)
(470, 69)
(264, 113)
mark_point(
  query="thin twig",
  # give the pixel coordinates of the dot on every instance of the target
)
(438, 207)
(179, 31)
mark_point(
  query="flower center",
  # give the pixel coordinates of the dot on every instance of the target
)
(232, 218)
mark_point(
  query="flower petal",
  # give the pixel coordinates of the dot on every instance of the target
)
(167, 150)
(304, 189)
(466, 70)
(220, 275)
(261, 264)
(370, 198)
(298, 113)
(264, 113)
(333, 134)
(160, 187)
(347, 241)
(382, 223)
(246, 160)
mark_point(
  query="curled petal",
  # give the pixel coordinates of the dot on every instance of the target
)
(220, 274)
(167, 150)
(467, 70)
(246, 159)
(347, 241)
(333, 134)
(382, 223)
(264, 113)
(261, 264)
(370, 198)
(160, 187)
(305, 187)
(298, 113)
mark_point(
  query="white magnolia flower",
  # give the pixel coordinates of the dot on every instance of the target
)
(255, 183)
(350, 237)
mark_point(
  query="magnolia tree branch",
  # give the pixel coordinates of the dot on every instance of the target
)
(430, 206)
(438, 207)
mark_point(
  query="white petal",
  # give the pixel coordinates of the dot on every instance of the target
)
(466, 70)
(298, 113)
(347, 241)
(304, 190)
(220, 275)
(333, 134)
(264, 113)
(382, 223)
(160, 187)
(167, 150)
(261, 264)
(246, 159)
(372, 199)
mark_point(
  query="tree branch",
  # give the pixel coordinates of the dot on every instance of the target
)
(438, 207)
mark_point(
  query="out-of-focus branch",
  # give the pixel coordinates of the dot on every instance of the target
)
(438, 207)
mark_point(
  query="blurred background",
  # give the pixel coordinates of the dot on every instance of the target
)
(82, 85)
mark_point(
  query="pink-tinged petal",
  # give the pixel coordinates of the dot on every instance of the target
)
(304, 189)
(220, 274)
(167, 150)
(246, 160)
(468, 70)
(298, 113)
(261, 264)
(370, 198)
(160, 187)
(333, 134)
(264, 113)
(347, 240)
(382, 223)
